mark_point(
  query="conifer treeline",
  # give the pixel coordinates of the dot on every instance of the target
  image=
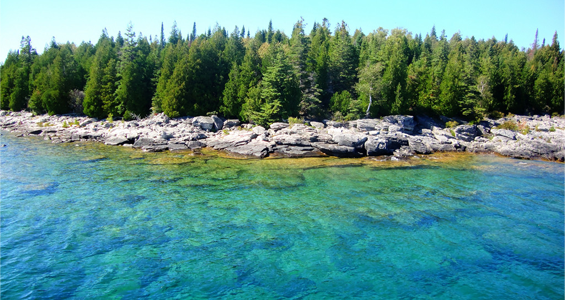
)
(271, 77)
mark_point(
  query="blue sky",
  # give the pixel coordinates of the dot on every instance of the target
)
(78, 21)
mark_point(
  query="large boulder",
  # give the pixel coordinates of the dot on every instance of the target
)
(466, 133)
(317, 125)
(337, 150)
(142, 142)
(155, 148)
(192, 145)
(406, 123)
(177, 146)
(292, 139)
(278, 126)
(231, 123)
(87, 121)
(259, 130)
(504, 134)
(218, 122)
(205, 123)
(420, 145)
(116, 140)
(297, 151)
(349, 140)
(377, 146)
(253, 149)
(234, 139)
(368, 124)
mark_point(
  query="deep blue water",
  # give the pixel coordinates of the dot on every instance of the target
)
(100, 222)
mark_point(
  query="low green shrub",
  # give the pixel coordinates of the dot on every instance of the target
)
(496, 115)
(65, 124)
(292, 121)
(451, 124)
(551, 129)
(509, 125)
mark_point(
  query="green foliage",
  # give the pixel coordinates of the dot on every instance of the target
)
(110, 118)
(65, 124)
(277, 96)
(551, 129)
(451, 124)
(292, 121)
(272, 77)
(509, 125)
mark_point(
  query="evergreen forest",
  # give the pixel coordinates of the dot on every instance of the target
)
(268, 76)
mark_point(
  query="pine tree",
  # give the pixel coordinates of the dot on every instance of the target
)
(134, 76)
(193, 34)
(451, 85)
(175, 35)
(20, 92)
(97, 91)
(7, 83)
(162, 39)
(310, 104)
(232, 103)
(278, 94)
(342, 61)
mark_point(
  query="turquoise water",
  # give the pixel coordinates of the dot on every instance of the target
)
(100, 222)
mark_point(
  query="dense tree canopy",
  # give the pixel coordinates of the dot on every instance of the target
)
(268, 76)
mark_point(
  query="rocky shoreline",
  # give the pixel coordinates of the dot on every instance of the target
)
(395, 137)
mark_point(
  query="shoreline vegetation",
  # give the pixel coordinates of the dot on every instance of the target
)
(392, 137)
(327, 74)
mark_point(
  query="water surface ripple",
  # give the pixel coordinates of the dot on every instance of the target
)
(99, 222)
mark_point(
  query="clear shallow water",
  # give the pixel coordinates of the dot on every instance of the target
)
(101, 222)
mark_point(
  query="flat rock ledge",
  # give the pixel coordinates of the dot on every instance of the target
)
(537, 137)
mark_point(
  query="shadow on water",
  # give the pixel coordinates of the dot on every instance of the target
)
(42, 190)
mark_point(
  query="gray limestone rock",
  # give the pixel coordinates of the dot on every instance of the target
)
(218, 122)
(195, 145)
(420, 145)
(368, 124)
(377, 146)
(292, 139)
(259, 130)
(350, 140)
(252, 149)
(205, 123)
(116, 141)
(86, 122)
(406, 123)
(403, 152)
(278, 126)
(317, 125)
(177, 146)
(155, 148)
(142, 142)
(336, 150)
(297, 151)
(505, 133)
(231, 123)
(466, 133)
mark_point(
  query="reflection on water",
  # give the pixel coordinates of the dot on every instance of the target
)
(94, 221)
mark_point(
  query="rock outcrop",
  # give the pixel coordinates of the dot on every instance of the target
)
(396, 136)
